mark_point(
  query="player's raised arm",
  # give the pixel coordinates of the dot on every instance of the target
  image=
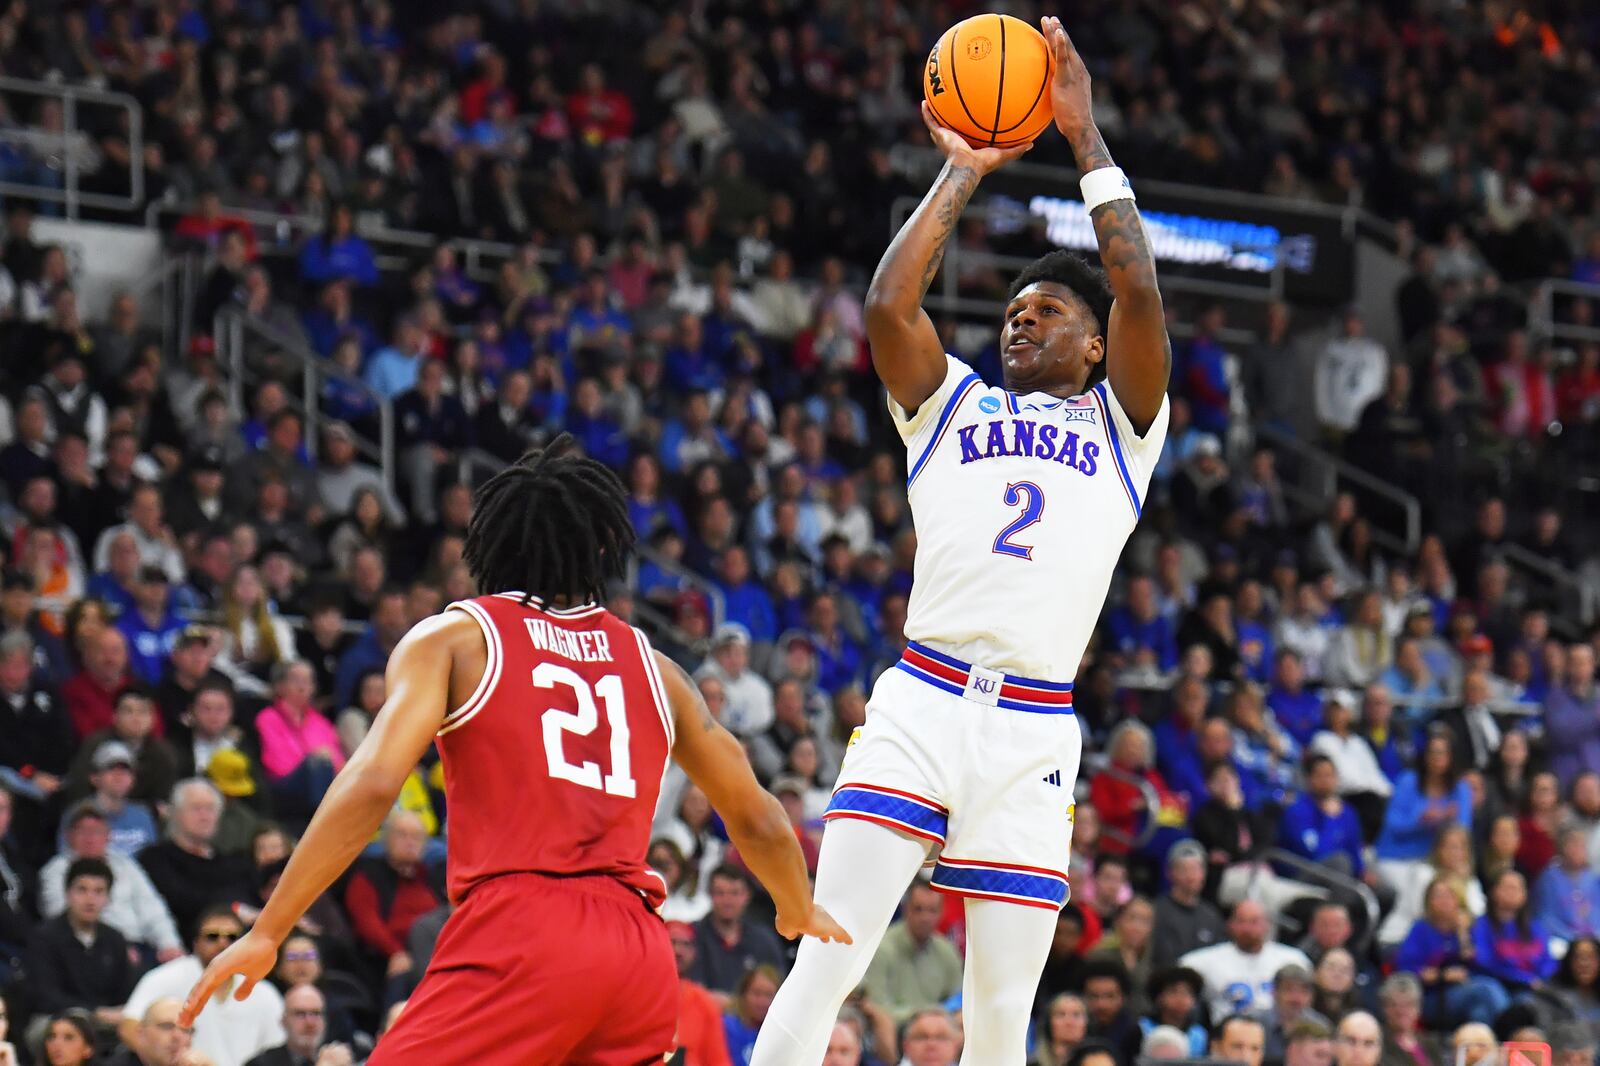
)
(1138, 353)
(756, 821)
(906, 351)
(354, 807)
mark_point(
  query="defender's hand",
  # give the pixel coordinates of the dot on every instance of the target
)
(1071, 101)
(819, 923)
(958, 151)
(252, 957)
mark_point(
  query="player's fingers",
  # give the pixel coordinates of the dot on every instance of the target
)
(929, 121)
(247, 986)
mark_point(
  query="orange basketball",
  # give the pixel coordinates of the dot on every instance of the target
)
(988, 79)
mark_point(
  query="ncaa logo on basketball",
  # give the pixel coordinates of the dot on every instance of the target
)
(978, 47)
(935, 86)
(988, 405)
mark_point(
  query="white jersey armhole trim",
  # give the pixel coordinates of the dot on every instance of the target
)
(657, 689)
(491, 668)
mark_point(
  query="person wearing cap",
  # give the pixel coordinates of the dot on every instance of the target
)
(130, 822)
(135, 909)
(152, 627)
(1292, 989)
(135, 723)
(1362, 782)
(749, 710)
(198, 502)
(1174, 1001)
(700, 1031)
(238, 778)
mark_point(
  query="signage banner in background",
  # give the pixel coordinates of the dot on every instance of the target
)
(1239, 243)
(103, 260)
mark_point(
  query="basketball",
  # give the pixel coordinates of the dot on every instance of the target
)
(988, 79)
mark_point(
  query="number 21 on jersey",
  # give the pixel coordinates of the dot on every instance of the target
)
(582, 722)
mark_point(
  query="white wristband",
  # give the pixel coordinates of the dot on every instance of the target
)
(1104, 185)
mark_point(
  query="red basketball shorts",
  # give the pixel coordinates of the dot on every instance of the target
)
(543, 971)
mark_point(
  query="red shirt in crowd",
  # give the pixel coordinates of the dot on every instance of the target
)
(386, 934)
(91, 705)
(700, 1032)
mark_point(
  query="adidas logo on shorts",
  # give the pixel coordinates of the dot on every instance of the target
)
(1053, 778)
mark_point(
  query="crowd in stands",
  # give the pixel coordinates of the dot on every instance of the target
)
(197, 600)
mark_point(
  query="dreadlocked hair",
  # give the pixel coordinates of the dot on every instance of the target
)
(1086, 281)
(553, 524)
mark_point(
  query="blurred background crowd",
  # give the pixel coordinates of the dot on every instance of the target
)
(1336, 763)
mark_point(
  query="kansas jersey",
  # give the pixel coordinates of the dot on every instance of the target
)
(554, 764)
(1022, 506)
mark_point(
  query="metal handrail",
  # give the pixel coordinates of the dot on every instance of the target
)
(1335, 469)
(1318, 873)
(1584, 592)
(1099, 763)
(228, 332)
(69, 194)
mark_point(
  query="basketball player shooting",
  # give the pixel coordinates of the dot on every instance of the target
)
(554, 720)
(1023, 498)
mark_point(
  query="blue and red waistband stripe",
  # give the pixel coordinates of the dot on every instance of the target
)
(1029, 885)
(890, 807)
(1016, 693)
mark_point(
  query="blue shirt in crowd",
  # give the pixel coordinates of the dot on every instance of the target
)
(1312, 833)
(1566, 903)
(1404, 834)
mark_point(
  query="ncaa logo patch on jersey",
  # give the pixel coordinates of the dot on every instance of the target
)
(988, 405)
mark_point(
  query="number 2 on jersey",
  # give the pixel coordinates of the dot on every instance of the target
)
(1031, 497)
(582, 722)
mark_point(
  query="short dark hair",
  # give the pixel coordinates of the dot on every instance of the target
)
(1222, 1026)
(1084, 1051)
(210, 911)
(1074, 272)
(1107, 968)
(86, 867)
(729, 872)
(555, 523)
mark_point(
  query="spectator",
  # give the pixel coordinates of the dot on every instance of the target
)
(36, 739)
(1175, 998)
(747, 1010)
(1350, 372)
(135, 909)
(338, 254)
(1319, 826)
(186, 868)
(304, 1031)
(111, 776)
(91, 694)
(1358, 1040)
(1362, 782)
(157, 546)
(1105, 994)
(431, 427)
(1541, 818)
(1566, 898)
(1292, 991)
(132, 724)
(1140, 633)
(700, 1030)
(1572, 716)
(1239, 974)
(300, 749)
(1129, 945)
(386, 896)
(1297, 709)
(371, 649)
(1240, 1038)
(231, 1031)
(728, 943)
(1404, 1044)
(151, 628)
(1309, 1044)
(1572, 1045)
(749, 708)
(1336, 990)
(1066, 1026)
(75, 959)
(914, 968)
(1120, 803)
(932, 1039)
(1440, 951)
(1507, 944)
(1451, 861)
(1424, 800)
(1578, 979)
(1185, 922)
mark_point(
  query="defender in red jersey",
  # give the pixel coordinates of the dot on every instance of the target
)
(555, 721)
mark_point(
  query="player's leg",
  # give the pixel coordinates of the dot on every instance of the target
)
(862, 872)
(638, 987)
(1006, 948)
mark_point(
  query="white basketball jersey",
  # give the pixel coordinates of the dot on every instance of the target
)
(1022, 506)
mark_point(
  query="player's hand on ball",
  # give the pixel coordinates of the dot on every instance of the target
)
(819, 923)
(251, 957)
(1071, 100)
(956, 148)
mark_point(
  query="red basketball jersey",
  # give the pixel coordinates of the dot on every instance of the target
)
(554, 764)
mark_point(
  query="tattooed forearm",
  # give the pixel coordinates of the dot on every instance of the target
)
(918, 249)
(1124, 251)
(1089, 148)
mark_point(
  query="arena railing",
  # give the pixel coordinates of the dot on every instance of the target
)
(1541, 310)
(232, 329)
(70, 195)
(1321, 875)
(1323, 472)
